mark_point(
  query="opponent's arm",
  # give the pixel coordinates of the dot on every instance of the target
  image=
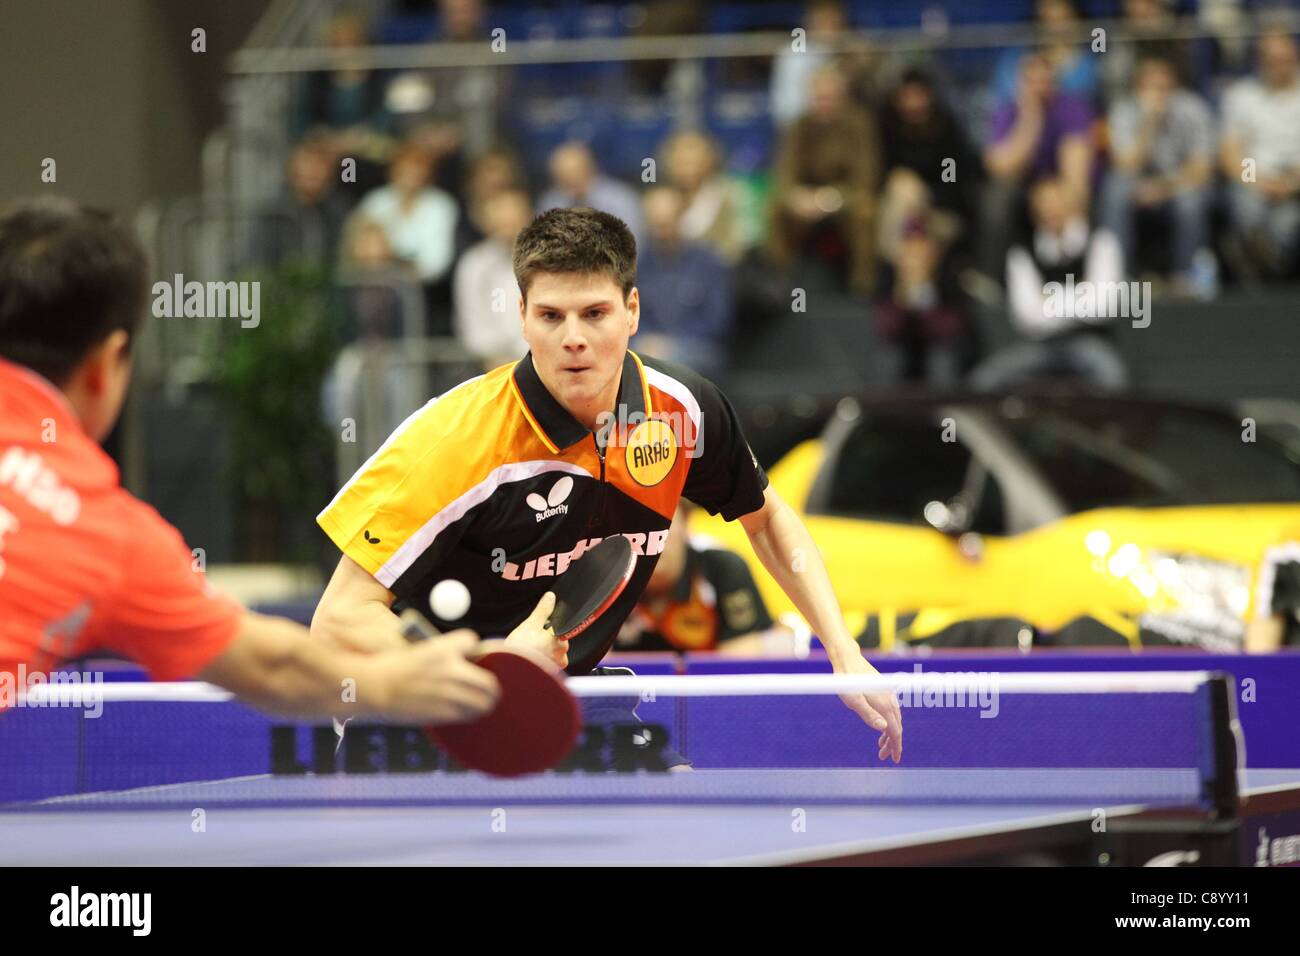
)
(275, 665)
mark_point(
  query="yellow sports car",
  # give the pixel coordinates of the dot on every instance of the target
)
(1048, 519)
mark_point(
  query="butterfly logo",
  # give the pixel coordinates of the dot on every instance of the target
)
(553, 504)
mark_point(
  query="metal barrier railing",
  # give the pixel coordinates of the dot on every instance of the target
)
(209, 239)
(390, 369)
(518, 51)
(377, 384)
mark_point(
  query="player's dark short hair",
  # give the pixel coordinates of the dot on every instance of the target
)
(69, 278)
(576, 240)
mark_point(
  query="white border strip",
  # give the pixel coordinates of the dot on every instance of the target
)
(762, 685)
(730, 685)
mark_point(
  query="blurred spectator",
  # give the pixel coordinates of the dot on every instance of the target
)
(418, 218)
(712, 205)
(1049, 284)
(906, 200)
(371, 274)
(922, 317)
(460, 20)
(493, 172)
(919, 133)
(1151, 21)
(577, 181)
(1260, 156)
(701, 598)
(308, 223)
(443, 141)
(686, 292)
(485, 294)
(824, 187)
(663, 18)
(453, 113)
(1229, 21)
(1042, 132)
(345, 106)
(372, 381)
(1162, 155)
(792, 70)
(366, 247)
(349, 97)
(1072, 62)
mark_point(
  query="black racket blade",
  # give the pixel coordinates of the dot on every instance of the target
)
(590, 585)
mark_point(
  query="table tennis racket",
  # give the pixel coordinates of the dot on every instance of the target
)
(533, 726)
(590, 586)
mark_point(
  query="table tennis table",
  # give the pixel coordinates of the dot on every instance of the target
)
(880, 816)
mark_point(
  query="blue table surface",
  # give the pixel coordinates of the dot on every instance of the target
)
(679, 824)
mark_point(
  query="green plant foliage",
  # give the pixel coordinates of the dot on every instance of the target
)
(269, 378)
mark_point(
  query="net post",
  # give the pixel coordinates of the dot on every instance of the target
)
(1227, 746)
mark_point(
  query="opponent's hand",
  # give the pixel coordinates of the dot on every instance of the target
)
(879, 711)
(433, 681)
(535, 635)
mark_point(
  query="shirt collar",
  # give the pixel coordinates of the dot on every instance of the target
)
(39, 387)
(552, 422)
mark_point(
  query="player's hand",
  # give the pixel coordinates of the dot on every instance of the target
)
(535, 635)
(879, 711)
(433, 682)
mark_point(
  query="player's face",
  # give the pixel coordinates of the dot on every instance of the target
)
(577, 327)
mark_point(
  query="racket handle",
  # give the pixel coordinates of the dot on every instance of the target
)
(415, 627)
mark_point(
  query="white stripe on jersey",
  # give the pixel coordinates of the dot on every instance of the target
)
(677, 390)
(418, 543)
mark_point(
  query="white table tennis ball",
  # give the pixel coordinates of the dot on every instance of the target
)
(449, 600)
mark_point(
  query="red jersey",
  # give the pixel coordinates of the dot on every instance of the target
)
(84, 565)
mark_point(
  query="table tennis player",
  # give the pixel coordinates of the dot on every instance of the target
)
(84, 566)
(504, 480)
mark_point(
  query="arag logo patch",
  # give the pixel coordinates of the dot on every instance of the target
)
(651, 452)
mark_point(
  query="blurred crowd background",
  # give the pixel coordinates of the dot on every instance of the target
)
(829, 198)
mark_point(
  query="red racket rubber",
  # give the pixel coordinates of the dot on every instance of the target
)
(532, 728)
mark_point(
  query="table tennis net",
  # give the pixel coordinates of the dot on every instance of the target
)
(1138, 737)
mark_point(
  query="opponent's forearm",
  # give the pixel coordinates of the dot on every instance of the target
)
(275, 665)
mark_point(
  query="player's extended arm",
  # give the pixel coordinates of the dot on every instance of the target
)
(355, 612)
(785, 547)
(275, 665)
